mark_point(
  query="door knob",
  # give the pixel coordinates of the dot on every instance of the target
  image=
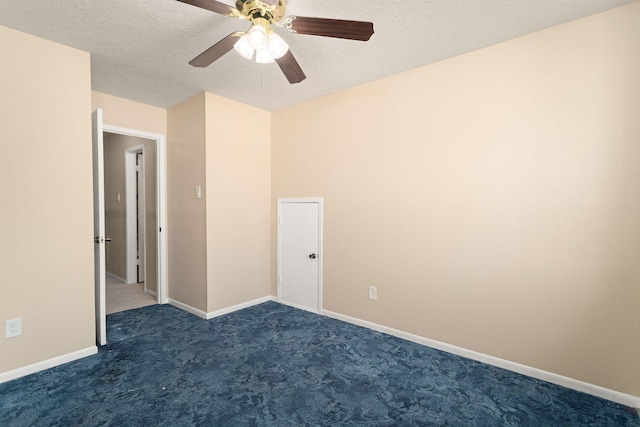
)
(99, 239)
(312, 256)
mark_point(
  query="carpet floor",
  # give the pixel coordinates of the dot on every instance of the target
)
(272, 365)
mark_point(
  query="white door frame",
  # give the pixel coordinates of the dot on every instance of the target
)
(161, 203)
(131, 214)
(319, 201)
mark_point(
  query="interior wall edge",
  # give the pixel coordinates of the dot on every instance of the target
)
(189, 309)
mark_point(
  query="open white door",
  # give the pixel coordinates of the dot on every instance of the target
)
(99, 226)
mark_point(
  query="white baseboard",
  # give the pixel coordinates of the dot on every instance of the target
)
(299, 307)
(182, 306)
(595, 390)
(115, 277)
(152, 293)
(242, 306)
(208, 316)
(46, 364)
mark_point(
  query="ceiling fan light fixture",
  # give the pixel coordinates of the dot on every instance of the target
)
(258, 37)
(277, 46)
(243, 47)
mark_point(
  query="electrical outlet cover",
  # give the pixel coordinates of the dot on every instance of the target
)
(13, 328)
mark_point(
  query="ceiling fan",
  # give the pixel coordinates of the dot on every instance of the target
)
(262, 41)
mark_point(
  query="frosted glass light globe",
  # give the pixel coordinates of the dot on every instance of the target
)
(264, 56)
(258, 37)
(243, 47)
(277, 46)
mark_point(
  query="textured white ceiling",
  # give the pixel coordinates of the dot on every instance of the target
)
(140, 49)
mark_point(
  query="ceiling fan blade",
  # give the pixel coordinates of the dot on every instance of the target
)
(291, 68)
(212, 5)
(216, 51)
(352, 30)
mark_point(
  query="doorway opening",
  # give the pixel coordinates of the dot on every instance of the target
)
(149, 224)
(131, 190)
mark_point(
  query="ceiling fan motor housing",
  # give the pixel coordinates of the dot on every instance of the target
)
(271, 10)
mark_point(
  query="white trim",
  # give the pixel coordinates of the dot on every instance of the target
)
(320, 202)
(239, 307)
(162, 285)
(208, 316)
(142, 219)
(182, 306)
(299, 307)
(47, 364)
(131, 215)
(161, 202)
(150, 292)
(99, 226)
(595, 390)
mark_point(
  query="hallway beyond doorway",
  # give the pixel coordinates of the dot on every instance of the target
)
(121, 296)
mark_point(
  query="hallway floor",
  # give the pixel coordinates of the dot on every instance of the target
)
(121, 297)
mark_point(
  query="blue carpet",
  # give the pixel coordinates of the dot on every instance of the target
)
(272, 365)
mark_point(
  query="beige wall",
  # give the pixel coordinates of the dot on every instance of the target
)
(238, 202)
(46, 222)
(219, 245)
(114, 183)
(491, 198)
(130, 114)
(186, 217)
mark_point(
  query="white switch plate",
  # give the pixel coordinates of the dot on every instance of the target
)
(12, 328)
(198, 192)
(373, 293)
